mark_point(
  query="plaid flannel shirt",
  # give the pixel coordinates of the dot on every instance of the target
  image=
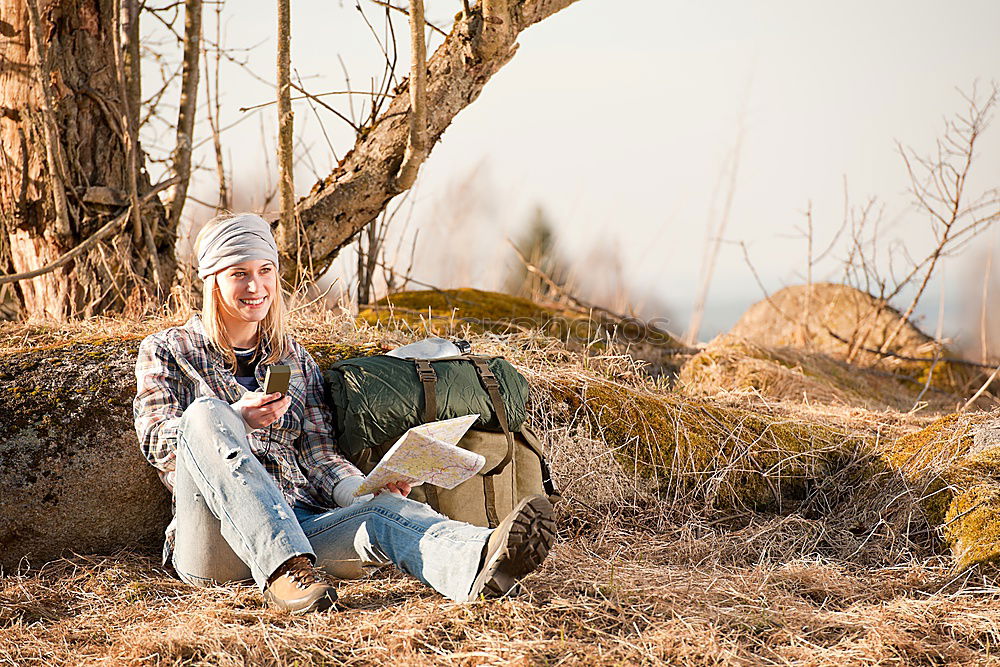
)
(178, 365)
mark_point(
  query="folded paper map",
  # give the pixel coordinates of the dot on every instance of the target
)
(427, 453)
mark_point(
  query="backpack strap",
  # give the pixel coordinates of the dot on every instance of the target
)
(548, 484)
(431, 494)
(428, 378)
(490, 501)
(492, 386)
(489, 381)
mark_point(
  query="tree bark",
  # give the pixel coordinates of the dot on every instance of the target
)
(130, 53)
(365, 180)
(495, 34)
(87, 111)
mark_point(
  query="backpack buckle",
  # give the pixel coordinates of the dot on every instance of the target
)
(425, 372)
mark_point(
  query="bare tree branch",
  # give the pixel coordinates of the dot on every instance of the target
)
(128, 68)
(186, 113)
(981, 390)
(214, 111)
(286, 236)
(131, 59)
(404, 10)
(416, 145)
(365, 180)
(713, 240)
(950, 179)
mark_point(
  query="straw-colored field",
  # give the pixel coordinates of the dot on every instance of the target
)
(699, 527)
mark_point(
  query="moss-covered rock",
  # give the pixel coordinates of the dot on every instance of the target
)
(958, 484)
(972, 525)
(325, 353)
(449, 312)
(70, 467)
(444, 311)
(846, 323)
(942, 449)
(724, 456)
(72, 474)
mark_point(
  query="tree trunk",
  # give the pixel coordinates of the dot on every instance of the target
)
(365, 180)
(86, 115)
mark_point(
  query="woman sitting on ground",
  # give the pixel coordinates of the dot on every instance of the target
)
(259, 488)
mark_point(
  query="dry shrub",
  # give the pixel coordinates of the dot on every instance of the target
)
(733, 364)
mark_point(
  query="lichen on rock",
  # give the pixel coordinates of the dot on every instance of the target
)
(70, 466)
(960, 484)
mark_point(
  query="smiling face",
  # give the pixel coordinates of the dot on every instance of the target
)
(246, 292)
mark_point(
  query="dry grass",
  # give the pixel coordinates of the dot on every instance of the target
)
(619, 594)
(851, 572)
(731, 364)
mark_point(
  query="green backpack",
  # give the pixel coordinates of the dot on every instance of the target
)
(376, 399)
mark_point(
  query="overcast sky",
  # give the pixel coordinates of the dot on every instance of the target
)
(624, 120)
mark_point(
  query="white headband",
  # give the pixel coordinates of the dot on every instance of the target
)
(238, 239)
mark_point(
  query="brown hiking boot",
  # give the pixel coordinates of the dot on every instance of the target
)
(516, 548)
(300, 587)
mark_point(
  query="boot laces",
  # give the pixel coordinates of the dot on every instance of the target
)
(304, 574)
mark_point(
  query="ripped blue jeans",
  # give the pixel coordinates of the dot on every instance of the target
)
(233, 523)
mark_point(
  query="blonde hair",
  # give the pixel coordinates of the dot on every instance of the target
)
(273, 327)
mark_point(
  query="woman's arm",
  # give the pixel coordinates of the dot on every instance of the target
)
(323, 464)
(157, 407)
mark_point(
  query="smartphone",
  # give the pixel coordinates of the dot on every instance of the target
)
(276, 380)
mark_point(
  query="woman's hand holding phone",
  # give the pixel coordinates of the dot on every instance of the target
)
(260, 410)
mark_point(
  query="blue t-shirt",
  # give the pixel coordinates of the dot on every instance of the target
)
(246, 368)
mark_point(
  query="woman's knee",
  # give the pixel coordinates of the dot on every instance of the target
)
(206, 409)
(207, 416)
